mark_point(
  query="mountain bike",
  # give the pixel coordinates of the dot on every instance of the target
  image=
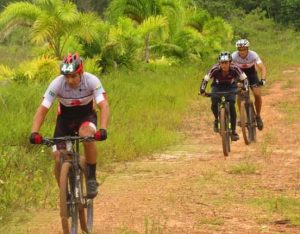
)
(224, 123)
(247, 117)
(74, 203)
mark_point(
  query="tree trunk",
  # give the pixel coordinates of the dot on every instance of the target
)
(147, 48)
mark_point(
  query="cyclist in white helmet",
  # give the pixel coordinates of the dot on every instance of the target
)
(250, 62)
(224, 76)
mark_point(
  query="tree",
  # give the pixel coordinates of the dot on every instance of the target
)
(50, 21)
(98, 6)
(151, 15)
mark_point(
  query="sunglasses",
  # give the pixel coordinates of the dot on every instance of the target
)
(242, 49)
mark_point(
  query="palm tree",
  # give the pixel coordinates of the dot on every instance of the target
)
(50, 21)
(153, 16)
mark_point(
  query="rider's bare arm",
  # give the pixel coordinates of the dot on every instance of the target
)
(104, 113)
(263, 70)
(39, 118)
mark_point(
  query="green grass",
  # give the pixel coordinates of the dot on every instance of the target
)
(243, 168)
(216, 221)
(147, 109)
(287, 207)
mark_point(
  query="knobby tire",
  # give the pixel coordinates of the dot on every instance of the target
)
(245, 123)
(223, 132)
(85, 212)
(67, 208)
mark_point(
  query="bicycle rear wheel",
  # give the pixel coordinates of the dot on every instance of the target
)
(224, 132)
(245, 123)
(68, 205)
(252, 121)
(86, 210)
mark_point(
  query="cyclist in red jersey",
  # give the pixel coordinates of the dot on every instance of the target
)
(249, 62)
(76, 91)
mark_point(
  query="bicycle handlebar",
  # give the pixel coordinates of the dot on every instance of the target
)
(55, 140)
(219, 94)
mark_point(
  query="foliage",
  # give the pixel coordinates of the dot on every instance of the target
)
(285, 12)
(5, 72)
(98, 6)
(52, 22)
(122, 44)
(148, 118)
(40, 69)
(258, 21)
(92, 65)
(151, 15)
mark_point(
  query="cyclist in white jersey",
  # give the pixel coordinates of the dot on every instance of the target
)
(76, 92)
(250, 62)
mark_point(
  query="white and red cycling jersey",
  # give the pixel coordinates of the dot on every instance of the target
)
(75, 102)
(248, 63)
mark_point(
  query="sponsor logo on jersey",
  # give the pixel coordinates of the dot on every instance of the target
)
(99, 86)
(51, 93)
(75, 102)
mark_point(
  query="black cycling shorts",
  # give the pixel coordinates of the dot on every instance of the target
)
(70, 127)
(253, 80)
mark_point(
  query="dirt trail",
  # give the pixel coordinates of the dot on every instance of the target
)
(192, 189)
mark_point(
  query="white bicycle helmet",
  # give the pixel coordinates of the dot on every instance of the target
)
(242, 43)
(225, 57)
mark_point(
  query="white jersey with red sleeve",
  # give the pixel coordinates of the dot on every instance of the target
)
(249, 61)
(89, 89)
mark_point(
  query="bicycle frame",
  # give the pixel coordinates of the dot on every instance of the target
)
(247, 117)
(75, 162)
(224, 123)
(71, 181)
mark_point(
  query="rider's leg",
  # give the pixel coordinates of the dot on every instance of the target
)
(214, 108)
(232, 115)
(257, 100)
(57, 165)
(234, 135)
(258, 104)
(238, 100)
(90, 151)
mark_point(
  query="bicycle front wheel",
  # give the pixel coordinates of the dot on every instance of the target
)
(68, 205)
(245, 123)
(86, 210)
(224, 132)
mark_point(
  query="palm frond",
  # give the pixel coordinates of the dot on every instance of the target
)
(218, 28)
(153, 24)
(196, 18)
(5, 72)
(19, 11)
(89, 25)
(174, 10)
(39, 69)
(43, 28)
(67, 13)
